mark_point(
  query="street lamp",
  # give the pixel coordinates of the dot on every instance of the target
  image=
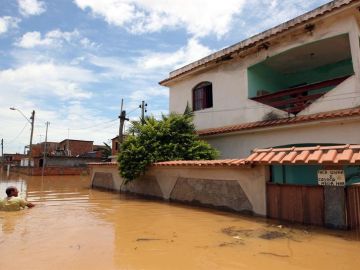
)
(31, 121)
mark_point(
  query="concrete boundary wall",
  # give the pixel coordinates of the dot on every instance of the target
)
(238, 189)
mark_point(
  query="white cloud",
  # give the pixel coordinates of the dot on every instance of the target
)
(7, 22)
(191, 52)
(87, 43)
(33, 39)
(199, 17)
(54, 38)
(47, 80)
(147, 93)
(151, 64)
(255, 18)
(31, 7)
(59, 94)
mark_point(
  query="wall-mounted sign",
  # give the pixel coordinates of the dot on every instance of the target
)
(331, 177)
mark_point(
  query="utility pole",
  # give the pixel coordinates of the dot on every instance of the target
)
(67, 144)
(45, 148)
(2, 151)
(143, 108)
(32, 118)
(122, 118)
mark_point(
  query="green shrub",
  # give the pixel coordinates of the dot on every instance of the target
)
(171, 138)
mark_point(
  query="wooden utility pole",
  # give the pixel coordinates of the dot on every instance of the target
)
(2, 154)
(143, 107)
(45, 149)
(32, 118)
(122, 118)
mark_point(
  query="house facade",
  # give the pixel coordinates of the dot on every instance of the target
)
(296, 84)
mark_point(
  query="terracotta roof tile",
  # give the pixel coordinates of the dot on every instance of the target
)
(279, 156)
(339, 154)
(315, 156)
(281, 122)
(291, 155)
(355, 158)
(102, 164)
(301, 157)
(346, 155)
(260, 157)
(268, 157)
(202, 163)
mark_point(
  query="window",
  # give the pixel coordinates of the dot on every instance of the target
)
(202, 96)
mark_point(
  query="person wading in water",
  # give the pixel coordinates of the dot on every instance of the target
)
(12, 202)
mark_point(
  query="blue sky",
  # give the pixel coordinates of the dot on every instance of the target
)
(72, 61)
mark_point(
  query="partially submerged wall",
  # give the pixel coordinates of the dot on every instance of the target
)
(238, 189)
(51, 170)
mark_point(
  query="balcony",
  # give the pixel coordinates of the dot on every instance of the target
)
(294, 79)
(296, 99)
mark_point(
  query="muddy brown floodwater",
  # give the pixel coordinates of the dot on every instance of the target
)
(74, 227)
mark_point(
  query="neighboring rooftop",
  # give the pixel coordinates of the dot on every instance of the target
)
(73, 140)
(230, 52)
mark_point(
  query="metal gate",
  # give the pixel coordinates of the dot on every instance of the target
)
(295, 203)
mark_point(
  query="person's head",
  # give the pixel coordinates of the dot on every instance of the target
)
(12, 192)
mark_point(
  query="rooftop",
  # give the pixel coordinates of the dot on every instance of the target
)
(313, 155)
(342, 154)
(240, 47)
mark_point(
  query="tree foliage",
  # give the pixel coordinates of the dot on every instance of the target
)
(106, 152)
(171, 138)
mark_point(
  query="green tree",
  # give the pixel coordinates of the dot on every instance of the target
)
(106, 151)
(171, 138)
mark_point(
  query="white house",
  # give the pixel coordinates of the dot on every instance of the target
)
(293, 85)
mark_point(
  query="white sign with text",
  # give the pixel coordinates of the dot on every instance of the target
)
(331, 177)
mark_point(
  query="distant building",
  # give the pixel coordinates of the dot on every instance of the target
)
(75, 147)
(38, 149)
(13, 159)
(115, 145)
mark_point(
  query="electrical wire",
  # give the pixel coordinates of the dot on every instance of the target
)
(88, 127)
(132, 111)
(17, 136)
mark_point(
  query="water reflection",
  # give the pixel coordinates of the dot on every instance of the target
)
(74, 227)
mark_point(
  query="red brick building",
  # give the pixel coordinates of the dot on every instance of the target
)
(13, 159)
(38, 149)
(75, 147)
(115, 145)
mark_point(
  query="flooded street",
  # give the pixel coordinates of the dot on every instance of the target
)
(74, 227)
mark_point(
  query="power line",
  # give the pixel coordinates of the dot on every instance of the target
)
(132, 111)
(17, 136)
(88, 127)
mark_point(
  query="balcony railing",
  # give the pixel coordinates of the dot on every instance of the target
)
(294, 100)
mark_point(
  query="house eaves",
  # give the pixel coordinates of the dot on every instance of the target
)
(257, 40)
(345, 114)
